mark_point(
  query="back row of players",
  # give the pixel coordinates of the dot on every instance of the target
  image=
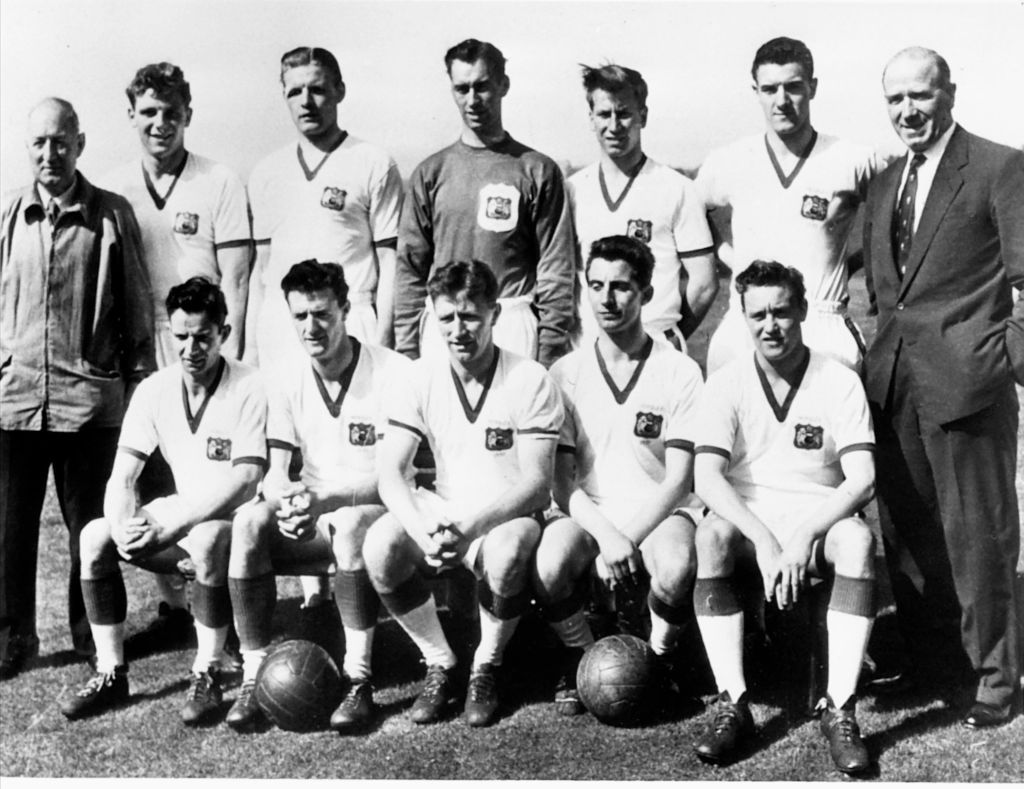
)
(629, 434)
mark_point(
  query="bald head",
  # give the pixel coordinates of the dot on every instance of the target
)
(54, 143)
(919, 97)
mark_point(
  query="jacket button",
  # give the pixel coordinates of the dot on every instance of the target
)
(899, 306)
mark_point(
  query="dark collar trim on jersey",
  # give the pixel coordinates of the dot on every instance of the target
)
(334, 405)
(193, 421)
(311, 174)
(613, 205)
(473, 413)
(159, 201)
(623, 395)
(782, 411)
(784, 179)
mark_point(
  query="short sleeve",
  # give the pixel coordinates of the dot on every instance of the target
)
(250, 437)
(259, 205)
(691, 232)
(687, 386)
(717, 416)
(281, 432)
(386, 204)
(541, 413)
(562, 374)
(231, 224)
(139, 435)
(403, 407)
(710, 189)
(852, 426)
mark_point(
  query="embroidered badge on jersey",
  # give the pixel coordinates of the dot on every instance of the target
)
(362, 434)
(498, 439)
(333, 198)
(647, 425)
(814, 207)
(498, 208)
(640, 229)
(808, 437)
(218, 448)
(185, 223)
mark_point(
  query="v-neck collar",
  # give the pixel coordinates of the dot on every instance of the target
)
(473, 413)
(787, 180)
(193, 421)
(161, 200)
(622, 395)
(613, 205)
(782, 411)
(311, 174)
(334, 405)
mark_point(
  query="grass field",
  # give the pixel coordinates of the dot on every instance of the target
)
(913, 737)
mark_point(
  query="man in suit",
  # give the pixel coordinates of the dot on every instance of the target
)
(943, 244)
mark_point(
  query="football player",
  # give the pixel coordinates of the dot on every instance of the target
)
(624, 465)
(627, 193)
(207, 415)
(785, 462)
(331, 197)
(794, 195)
(194, 220)
(491, 198)
(330, 413)
(492, 420)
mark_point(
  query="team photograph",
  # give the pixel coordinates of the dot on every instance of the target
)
(559, 391)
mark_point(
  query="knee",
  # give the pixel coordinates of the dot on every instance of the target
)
(554, 568)
(715, 542)
(349, 533)
(95, 547)
(208, 546)
(384, 551)
(508, 551)
(672, 573)
(249, 527)
(850, 546)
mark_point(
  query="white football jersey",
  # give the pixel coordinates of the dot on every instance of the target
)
(619, 437)
(783, 217)
(784, 453)
(660, 207)
(227, 429)
(336, 435)
(475, 445)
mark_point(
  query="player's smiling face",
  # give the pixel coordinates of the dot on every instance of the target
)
(198, 341)
(617, 120)
(313, 98)
(161, 123)
(466, 326)
(774, 321)
(478, 94)
(319, 321)
(615, 296)
(920, 105)
(785, 94)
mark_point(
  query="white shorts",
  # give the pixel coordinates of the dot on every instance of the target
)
(782, 515)
(169, 508)
(828, 330)
(515, 330)
(434, 508)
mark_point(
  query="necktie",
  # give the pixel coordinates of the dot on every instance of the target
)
(905, 215)
(52, 212)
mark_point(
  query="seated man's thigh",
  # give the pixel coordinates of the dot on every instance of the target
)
(669, 553)
(565, 547)
(347, 528)
(387, 546)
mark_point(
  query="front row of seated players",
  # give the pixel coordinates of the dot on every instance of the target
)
(207, 415)
(783, 461)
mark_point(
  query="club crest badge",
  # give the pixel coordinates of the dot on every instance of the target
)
(647, 425)
(498, 208)
(808, 437)
(640, 229)
(186, 224)
(333, 198)
(362, 434)
(498, 439)
(814, 207)
(218, 448)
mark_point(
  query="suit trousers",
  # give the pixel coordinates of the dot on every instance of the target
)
(950, 524)
(81, 464)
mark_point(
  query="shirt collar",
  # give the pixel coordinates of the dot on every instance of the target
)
(75, 198)
(63, 199)
(934, 154)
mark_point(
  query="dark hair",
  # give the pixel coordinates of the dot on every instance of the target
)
(198, 295)
(471, 50)
(782, 50)
(312, 56)
(311, 275)
(769, 273)
(630, 251)
(614, 79)
(166, 80)
(473, 278)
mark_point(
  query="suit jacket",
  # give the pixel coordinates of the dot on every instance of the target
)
(951, 319)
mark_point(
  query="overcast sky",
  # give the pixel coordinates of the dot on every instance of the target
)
(695, 56)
